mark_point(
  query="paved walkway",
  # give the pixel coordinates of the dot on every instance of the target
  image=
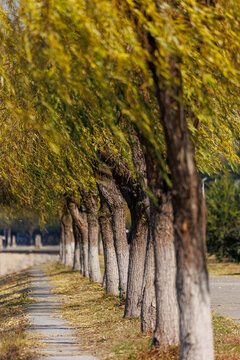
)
(225, 295)
(59, 341)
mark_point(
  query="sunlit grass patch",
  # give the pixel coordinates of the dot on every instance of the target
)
(102, 330)
(97, 316)
(225, 267)
(226, 338)
(15, 343)
(171, 354)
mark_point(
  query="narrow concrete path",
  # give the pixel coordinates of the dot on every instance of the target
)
(59, 340)
(225, 295)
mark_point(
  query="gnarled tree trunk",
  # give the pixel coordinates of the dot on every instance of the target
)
(148, 309)
(167, 316)
(77, 258)
(196, 340)
(104, 279)
(62, 244)
(93, 228)
(84, 243)
(117, 206)
(137, 256)
(138, 203)
(100, 244)
(8, 238)
(110, 259)
(69, 240)
(161, 223)
(81, 230)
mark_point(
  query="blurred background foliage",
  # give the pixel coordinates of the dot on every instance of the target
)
(75, 78)
(223, 216)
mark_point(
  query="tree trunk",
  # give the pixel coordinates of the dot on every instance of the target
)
(77, 263)
(5, 237)
(100, 244)
(135, 195)
(167, 315)
(9, 237)
(81, 255)
(161, 222)
(196, 340)
(69, 240)
(104, 279)
(77, 266)
(148, 309)
(31, 239)
(121, 244)
(81, 230)
(93, 228)
(117, 206)
(62, 245)
(110, 259)
(136, 262)
(84, 243)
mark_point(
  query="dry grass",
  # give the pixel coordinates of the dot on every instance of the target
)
(222, 268)
(97, 316)
(102, 331)
(227, 338)
(15, 343)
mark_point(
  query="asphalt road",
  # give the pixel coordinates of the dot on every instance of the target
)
(225, 295)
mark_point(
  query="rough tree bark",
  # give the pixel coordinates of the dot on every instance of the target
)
(9, 237)
(62, 244)
(138, 203)
(84, 243)
(77, 258)
(161, 223)
(104, 279)
(69, 240)
(110, 259)
(93, 228)
(81, 228)
(117, 206)
(100, 244)
(77, 266)
(5, 237)
(167, 315)
(148, 309)
(196, 340)
(139, 208)
(137, 256)
(31, 232)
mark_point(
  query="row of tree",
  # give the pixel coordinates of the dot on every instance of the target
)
(107, 103)
(25, 228)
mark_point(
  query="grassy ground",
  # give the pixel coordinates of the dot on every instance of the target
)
(102, 330)
(222, 268)
(15, 343)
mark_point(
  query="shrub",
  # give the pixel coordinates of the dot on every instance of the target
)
(223, 207)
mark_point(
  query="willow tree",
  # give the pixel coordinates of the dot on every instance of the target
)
(188, 204)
